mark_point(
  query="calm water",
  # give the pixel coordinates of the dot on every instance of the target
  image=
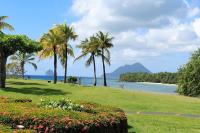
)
(114, 83)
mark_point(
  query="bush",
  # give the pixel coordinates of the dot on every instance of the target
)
(189, 76)
(72, 80)
(34, 117)
(62, 104)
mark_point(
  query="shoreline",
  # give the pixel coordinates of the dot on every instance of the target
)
(156, 83)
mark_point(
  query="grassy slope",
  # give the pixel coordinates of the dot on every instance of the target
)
(130, 101)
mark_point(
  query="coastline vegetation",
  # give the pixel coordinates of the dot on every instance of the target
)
(188, 79)
(162, 77)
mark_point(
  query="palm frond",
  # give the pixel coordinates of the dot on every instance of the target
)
(89, 61)
(81, 56)
(34, 65)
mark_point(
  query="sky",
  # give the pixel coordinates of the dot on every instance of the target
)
(160, 34)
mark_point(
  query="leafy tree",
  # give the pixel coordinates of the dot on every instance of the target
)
(9, 44)
(20, 59)
(90, 47)
(189, 76)
(104, 44)
(51, 42)
(66, 33)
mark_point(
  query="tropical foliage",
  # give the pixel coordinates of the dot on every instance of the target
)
(97, 46)
(104, 44)
(51, 43)
(90, 47)
(20, 59)
(162, 77)
(9, 44)
(13, 70)
(4, 25)
(56, 43)
(188, 79)
(66, 33)
(72, 79)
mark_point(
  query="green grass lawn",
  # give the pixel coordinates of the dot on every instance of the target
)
(129, 101)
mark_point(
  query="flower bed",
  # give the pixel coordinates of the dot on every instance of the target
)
(99, 119)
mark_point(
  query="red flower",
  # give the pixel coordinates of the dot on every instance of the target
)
(84, 129)
(46, 130)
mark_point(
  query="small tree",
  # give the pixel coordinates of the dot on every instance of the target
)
(189, 76)
(9, 44)
(20, 59)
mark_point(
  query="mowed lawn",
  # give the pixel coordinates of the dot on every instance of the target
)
(130, 101)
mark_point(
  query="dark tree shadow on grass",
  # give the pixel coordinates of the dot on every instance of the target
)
(131, 127)
(23, 83)
(35, 91)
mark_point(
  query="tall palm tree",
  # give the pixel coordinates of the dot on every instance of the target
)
(62, 56)
(104, 42)
(4, 25)
(20, 59)
(66, 33)
(90, 47)
(51, 42)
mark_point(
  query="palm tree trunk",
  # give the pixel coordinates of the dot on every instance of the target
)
(65, 75)
(3, 61)
(55, 66)
(94, 64)
(104, 71)
(22, 69)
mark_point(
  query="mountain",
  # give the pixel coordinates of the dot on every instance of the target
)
(49, 72)
(137, 67)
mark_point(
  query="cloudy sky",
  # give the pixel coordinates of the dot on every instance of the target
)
(161, 34)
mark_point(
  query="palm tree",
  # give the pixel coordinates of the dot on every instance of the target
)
(104, 42)
(20, 59)
(4, 25)
(51, 42)
(62, 56)
(66, 33)
(90, 47)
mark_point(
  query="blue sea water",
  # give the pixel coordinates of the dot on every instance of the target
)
(88, 81)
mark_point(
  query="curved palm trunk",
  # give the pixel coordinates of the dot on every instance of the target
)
(94, 65)
(65, 75)
(55, 65)
(104, 70)
(3, 60)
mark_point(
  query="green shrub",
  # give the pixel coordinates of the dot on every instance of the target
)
(72, 79)
(189, 76)
(49, 120)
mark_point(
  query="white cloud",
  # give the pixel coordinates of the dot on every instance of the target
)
(141, 28)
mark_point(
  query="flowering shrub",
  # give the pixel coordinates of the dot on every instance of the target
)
(62, 104)
(51, 120)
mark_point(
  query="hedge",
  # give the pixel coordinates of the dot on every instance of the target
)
(45, 120)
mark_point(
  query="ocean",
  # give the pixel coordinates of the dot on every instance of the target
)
(88, 81)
